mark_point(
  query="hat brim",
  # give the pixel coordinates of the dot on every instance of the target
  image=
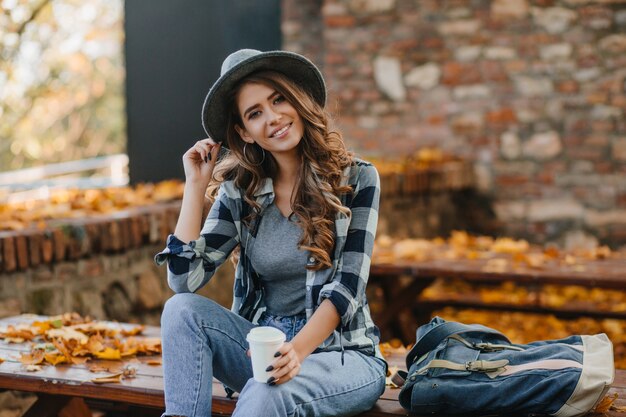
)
(302, 71)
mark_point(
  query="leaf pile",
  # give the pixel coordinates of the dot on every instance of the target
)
(424, 158)
(70, 338)
(500, 254)
(80, 203)
(510, 293)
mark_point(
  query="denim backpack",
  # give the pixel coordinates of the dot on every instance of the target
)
(456, 368)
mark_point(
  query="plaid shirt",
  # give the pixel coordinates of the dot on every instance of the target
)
(191, 265)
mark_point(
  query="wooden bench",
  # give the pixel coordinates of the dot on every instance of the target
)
(417, 276)
(69, 386)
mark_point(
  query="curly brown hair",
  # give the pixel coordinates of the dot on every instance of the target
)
(318, 187)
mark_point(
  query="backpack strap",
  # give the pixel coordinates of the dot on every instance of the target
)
(442, 331)
(470, 366)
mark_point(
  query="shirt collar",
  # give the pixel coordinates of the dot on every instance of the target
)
(267, 187)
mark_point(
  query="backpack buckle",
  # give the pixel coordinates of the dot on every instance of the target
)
(485, 366)
(488, 347)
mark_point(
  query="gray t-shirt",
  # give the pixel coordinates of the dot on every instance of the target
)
(279, 263)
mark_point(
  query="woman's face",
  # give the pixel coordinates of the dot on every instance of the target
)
(268, 119)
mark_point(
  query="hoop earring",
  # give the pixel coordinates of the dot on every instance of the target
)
(248, 159)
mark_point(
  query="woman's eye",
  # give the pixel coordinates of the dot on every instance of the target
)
(253, 114)
(279, 99)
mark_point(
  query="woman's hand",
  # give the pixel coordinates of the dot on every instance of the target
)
(286, 366)
(199, 161)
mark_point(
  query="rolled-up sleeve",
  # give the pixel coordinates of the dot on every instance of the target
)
(191, 265)
(347, 289)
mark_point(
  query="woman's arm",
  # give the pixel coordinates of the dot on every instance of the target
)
(318, 328)
(193, 255)
(198, 172)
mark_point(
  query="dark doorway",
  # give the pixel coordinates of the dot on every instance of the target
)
(174, 50)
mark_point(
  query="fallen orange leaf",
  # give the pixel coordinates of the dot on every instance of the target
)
(606, 403)
(34, 358)
(115, 378)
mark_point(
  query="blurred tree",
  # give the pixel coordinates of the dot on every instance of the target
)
(61, 81)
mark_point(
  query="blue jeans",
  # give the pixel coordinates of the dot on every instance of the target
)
(202, 340)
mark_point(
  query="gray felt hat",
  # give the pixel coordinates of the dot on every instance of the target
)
(244, 62)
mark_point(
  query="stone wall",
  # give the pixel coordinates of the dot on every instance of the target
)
(532, 92)
(101, 266)
(126, 287)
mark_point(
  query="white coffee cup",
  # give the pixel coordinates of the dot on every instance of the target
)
(264, 342)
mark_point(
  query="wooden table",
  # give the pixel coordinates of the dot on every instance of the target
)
(141, 396)
(607, 273)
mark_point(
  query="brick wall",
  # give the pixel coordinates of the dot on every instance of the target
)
(532, 92)
(101, 266)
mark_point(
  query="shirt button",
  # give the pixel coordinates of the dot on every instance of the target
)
(311, 259)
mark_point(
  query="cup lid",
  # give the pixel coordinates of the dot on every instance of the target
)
(265, 334)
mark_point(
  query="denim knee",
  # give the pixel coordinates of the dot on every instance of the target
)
(186, 307)
(261, 399)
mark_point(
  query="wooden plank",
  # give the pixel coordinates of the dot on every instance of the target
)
(566, 312)
(73, 381)
(34, 248)
(58, 240)
(47, 247)
(608, 273)
(9, 261)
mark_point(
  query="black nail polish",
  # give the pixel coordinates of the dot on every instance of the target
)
(277, 354)
(206, 159)
(271, 380)
(269, 368)
(271, 384)
(209, 156)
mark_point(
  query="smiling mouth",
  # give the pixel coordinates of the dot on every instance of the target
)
(280, 131)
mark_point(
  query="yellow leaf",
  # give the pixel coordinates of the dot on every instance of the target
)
(109, 353)
(42, 326)
(55, 358)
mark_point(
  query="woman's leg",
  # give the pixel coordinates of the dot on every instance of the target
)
(201, 339)
(322, 388)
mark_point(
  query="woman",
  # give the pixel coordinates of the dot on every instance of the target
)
(303, 213)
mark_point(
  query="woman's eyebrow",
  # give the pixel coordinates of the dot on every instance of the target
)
(249, 109)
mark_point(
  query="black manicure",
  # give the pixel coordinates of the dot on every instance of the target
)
(269, 368)
(206, 159)
(271, 380)
(209, 156)
(277, 354)
(271, 384)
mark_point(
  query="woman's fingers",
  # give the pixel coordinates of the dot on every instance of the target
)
(286, 366)
(203, 148)
(199, 160)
